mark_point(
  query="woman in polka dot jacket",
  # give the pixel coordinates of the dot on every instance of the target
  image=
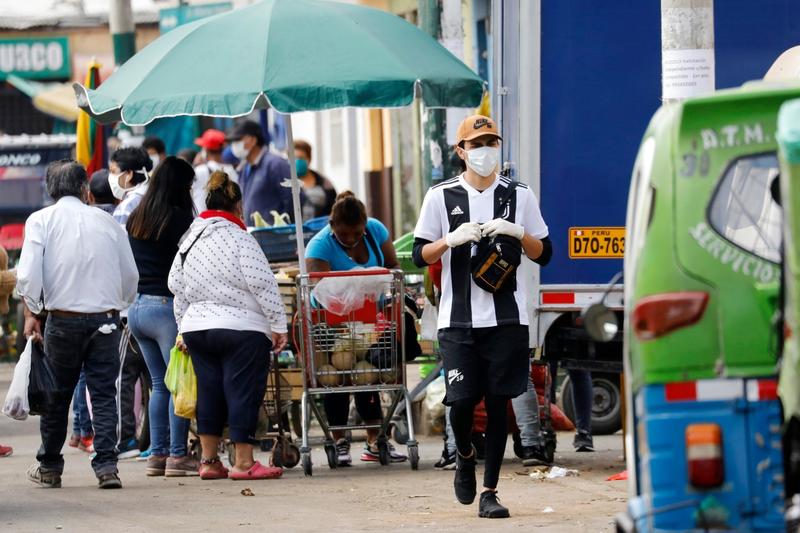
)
(230, 317)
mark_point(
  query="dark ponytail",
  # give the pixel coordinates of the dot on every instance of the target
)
(348, 210)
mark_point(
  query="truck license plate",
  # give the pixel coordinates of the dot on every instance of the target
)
(596, 243)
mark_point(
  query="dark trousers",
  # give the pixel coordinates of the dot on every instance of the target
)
(231, 368)
(337, 407)
(132, 367)
(72, 343)
(582, 395)
(582, 391)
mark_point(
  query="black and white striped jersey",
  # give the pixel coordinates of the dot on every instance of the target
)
(452, 203)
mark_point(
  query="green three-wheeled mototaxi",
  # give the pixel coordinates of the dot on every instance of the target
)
(702, 337)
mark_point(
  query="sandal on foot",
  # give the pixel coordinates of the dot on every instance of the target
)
(257, 471)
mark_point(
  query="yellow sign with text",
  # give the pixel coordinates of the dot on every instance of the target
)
(597, 243)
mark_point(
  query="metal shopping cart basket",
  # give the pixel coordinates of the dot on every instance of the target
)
(355, 351)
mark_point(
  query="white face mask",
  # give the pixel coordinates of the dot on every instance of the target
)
(116, 189)
(484, 160)
(155, 159)
(238, 149)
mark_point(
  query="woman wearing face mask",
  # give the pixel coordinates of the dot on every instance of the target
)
(128, 173)
(154, 230)
(319, 191)
(352, 240)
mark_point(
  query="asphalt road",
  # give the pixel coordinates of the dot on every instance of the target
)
(365, 497)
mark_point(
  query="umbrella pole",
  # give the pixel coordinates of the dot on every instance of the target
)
(298, 215)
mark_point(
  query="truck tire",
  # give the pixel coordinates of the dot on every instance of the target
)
(606, 403)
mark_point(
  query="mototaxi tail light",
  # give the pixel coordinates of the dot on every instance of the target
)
(655, 316)
(704, 455)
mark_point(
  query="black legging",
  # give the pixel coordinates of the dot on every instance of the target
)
(337, 407)
(461, 415)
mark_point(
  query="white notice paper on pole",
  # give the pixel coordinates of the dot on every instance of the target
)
(687, 73)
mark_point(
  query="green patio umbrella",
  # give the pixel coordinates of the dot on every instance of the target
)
(291, 55)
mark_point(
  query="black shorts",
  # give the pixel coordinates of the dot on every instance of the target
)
(481, 361)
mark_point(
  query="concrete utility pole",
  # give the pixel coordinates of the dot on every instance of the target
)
(687, 48)
(123, 32)
(436, 155)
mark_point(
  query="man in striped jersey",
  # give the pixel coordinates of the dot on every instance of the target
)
(483, 336)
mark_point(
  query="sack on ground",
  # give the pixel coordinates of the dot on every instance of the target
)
(43, 391)
(181, 381)
(16, 405)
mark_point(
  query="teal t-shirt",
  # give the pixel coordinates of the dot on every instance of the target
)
(323, 246)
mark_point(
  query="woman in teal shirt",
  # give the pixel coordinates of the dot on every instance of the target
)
(352, 240)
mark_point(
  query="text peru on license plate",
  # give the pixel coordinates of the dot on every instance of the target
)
(596, 243)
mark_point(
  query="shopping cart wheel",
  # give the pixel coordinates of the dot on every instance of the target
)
(306, 459)
(383, 451)
(413, 456)
(400, 432)
(277, 456)
(550, 445)
(330, 453)
(291, 456)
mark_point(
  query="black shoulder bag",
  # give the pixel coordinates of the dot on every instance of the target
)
(185, 254)
(494, 265)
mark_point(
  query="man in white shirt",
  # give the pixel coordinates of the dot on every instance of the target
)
(483, 329)
(86, 277)
(212, 142)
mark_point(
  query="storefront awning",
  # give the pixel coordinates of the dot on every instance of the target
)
(54, 99)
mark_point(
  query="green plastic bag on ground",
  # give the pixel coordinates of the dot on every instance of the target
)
(181, 381)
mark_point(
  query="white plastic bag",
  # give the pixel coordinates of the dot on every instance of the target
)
(434, 396)
(16, 404)
(343, 295)
(429, 322)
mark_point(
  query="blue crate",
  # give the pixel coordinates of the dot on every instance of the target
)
(280, 243)
(316, 224)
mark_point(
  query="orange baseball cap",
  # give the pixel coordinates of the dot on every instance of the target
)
(474, 127)
(211, 140)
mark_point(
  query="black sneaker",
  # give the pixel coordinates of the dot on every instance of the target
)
(44, 478)
(464, 481)
(583, 442)
(447, 461)
(533, 455)
(490, 507)
(109, 481)
(343, 453)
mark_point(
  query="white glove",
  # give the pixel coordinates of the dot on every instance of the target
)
(499, 226)
(468, 231)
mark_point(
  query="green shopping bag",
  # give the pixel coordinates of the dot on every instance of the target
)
(181, 381)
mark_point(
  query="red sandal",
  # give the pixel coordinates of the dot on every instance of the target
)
(212, 469)
(257, 471)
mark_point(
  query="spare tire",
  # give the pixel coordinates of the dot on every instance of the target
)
(606, 403)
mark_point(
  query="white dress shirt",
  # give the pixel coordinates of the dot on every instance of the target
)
(75, 258)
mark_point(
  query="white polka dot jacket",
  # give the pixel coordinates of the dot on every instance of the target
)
(225, 281)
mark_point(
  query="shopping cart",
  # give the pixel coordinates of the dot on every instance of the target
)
(356, 351)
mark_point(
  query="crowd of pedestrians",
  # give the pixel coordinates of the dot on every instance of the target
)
(117, 285)
(154, 254)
